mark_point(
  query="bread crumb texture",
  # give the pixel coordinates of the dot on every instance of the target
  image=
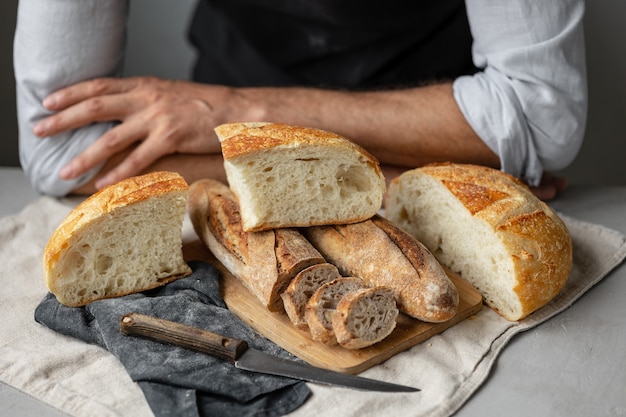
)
(124, 239)
(487, 226)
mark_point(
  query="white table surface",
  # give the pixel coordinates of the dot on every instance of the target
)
(569, 365)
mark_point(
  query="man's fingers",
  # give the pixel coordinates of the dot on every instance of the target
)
(92, 110)
(76, 93)
(110, 143)
(135, 163)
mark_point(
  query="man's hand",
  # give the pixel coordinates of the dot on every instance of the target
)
(157, 118)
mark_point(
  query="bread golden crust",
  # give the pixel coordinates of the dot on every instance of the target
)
(535, 239)
(242, 139)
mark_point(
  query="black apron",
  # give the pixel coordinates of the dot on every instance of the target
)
(349, 44)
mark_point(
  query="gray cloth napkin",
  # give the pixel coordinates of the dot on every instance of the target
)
(177, 381)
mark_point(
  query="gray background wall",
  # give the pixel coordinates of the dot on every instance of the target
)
(602, 157)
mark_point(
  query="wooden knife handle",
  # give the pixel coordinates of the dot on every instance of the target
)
(199, 340)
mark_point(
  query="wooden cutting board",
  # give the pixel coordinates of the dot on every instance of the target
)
(278, 328)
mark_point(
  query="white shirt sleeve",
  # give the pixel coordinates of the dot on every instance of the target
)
(58, 43)
(529, 103)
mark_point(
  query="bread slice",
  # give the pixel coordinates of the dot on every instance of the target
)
(319, 309)
(289, 176)
(364, 317)
(487, 226)
(302, 287)
(125, 238)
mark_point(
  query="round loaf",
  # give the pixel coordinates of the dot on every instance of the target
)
(291, 176)
(490, 228)
(125, 238)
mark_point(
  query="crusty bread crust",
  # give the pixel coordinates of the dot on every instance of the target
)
(521, 233)
(266, 261)
(422, 288)
(239, 139)
(93, 216)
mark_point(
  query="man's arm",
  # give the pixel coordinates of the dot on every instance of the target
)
(58, 43)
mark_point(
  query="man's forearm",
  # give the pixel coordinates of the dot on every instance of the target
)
(408, 127)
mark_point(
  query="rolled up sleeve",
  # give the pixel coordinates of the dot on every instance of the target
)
(58, 43)
(529, 102)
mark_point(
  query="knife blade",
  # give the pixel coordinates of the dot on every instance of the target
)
(242, 356)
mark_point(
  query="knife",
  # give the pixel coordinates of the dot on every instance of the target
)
(244, 357)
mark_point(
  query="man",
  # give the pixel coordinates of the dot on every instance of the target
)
(501, 84)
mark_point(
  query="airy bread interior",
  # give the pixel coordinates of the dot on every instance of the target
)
(131, 248)
(464, 243)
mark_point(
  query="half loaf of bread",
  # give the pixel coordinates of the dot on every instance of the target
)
(290, 176)
(265, 262)
(487, 226)
(125, 238)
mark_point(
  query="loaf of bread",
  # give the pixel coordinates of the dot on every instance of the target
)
(364, 317)
(320, 307)
(125, 238)
(266, 261)
(487, 226)
(383, 255)
(289, 176)
(302, 287)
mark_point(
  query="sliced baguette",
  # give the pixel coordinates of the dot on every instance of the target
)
(364, 317)
(302, 287)
(125, 238)
(265, 262)
(487, 226)
(384, 255)
(290, 176)
(320, 307)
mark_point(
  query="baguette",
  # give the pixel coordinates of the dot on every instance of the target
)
(364, 317)
(383, 255)
(123, 239)
(265, 262)
(302, 287)
(487, 226)
(290, 176)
